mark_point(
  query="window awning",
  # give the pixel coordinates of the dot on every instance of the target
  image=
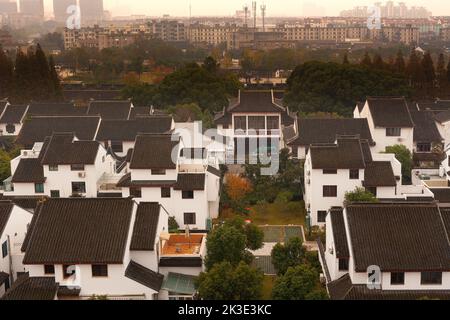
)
(179, 283)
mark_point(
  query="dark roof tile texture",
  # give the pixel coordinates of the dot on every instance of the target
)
(346, 154)
(13, 114)
(339, 233)
(425, 129)
(190, 182)
(5, 212)
(144, 276)
(398, 237)
(145, 227)
(32, 289)
(29, 171)
(154, 152)
(127, 130)
(379, 174)
(390, 112)
(109, 110)
(80, 231)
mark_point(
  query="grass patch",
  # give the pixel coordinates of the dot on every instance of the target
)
(268, 283)
(279, 213)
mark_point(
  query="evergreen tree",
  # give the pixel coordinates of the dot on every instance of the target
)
(55, 82)
(414, 69)
(366, 61)
(345, 61)
(22, 78)
(6, 74)
(399, 65)
(42, 83)
(378, 63)
(441, 72)
(428, 69)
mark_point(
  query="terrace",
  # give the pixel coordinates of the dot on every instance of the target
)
(179, 245)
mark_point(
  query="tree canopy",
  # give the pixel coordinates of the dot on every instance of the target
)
(336, 88)
(288, 255)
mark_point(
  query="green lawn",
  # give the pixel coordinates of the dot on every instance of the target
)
(279, 214)
(268, 284)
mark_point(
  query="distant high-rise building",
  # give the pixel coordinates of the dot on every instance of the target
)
(390, 10)
(91, 11)
(32, 7)
(60, 9)
(7, 6)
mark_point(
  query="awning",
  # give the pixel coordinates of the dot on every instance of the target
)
(179, 283)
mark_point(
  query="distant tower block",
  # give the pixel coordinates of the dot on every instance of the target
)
(255, 13)
(263, 13)
(246, 16)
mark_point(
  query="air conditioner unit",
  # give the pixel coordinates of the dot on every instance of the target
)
(82, 175)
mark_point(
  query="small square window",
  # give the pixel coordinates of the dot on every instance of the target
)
(78, 187)
(329, 191)
(53, 168)
(189, 218)
(354, 174)
(165, 192)
(188, 194)
(397, 278)
(321, 216)
(49, 269)
(117, 146)
(424, 147)
(39, 187)
(55, 194)
(100, 270)
(136, 192)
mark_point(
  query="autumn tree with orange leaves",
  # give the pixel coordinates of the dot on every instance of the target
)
(237, 187)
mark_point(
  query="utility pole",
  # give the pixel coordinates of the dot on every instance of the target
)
(246, 16)
(255, 13)
(263, 13)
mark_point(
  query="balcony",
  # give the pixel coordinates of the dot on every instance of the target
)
(108, 183)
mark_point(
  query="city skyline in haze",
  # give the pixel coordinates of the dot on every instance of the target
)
(291, 8)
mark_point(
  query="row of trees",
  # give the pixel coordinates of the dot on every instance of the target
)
(419, 69)
(30, 76)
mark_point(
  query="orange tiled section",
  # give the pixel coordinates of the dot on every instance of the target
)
(180, 244)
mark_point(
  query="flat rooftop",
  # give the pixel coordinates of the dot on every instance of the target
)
(180, 244)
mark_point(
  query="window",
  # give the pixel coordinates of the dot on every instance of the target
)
(53, 167)
(424, 147)
(393, 132)
(158, 172)
(100, 270)
(68, 271)
(330, 191)
(117, 146)
(327, 171)
(49, 269)
(78, 187)
(5, 249)
(240, 123)
(165, 192)
(77, 167)
(257, 123)
(321, 216)
(273, 124)
(136, 192)
(188, 194)
(189, 218)
(39, 187)
(10, 128)
(397, 278)
(343, 264)
(372, 190)
(55, 194)
(433, 278)
(354, 174)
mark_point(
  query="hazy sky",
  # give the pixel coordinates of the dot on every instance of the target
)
(229, 7)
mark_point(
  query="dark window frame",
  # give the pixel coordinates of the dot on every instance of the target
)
(424, 147)
(354, 174)
(5, 250)
(117, 146)
(431, 278)
(99, 270)
(329, 171)
(39, 188)
(49, 269)
(393, 132)
(166, 193)
(187, 194)
(344, 264)
(397, 278)
(322, 214)
(53, 168)
(158, 172)
(189, 218)
(330, 191)
(79, 184)
(77, 167)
